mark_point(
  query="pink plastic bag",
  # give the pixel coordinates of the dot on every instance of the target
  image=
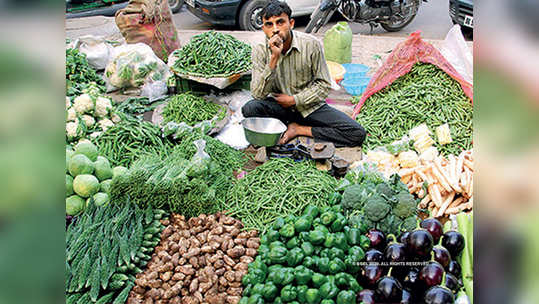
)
(402, 59)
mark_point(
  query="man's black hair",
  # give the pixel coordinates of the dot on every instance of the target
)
(276, 8)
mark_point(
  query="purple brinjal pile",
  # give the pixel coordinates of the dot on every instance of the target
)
(417, 267)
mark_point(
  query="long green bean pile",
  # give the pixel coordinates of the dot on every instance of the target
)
(425, 95)
(213, 54)
(126, 141)
(191, 109)
(278, 188)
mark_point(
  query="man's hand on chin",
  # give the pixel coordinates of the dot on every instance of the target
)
(286, 101)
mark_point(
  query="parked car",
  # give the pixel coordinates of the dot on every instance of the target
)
(461, 12)
(242, 13)
(87, 8)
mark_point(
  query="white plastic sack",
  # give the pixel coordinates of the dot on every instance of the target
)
(135, 66)
(457, 53)
(96, 49)
(233, 133)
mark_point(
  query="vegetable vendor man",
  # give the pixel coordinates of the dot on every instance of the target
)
(290, 82)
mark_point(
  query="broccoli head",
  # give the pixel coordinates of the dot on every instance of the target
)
(406, 205)
(384, 190)
(390, 224)
(410, 223)
(376, 208)
(354, 196)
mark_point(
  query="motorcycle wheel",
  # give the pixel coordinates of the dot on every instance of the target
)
(318, 19)
(175, 5)
(395, 27)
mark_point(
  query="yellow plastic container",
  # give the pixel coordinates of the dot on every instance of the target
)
(336, 70)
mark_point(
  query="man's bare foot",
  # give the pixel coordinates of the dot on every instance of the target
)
(294, 130)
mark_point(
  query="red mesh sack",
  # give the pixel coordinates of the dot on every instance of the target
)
(402, 59)
(149, 22)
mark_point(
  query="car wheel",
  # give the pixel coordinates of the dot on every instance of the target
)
(175, 5)
(250, 18)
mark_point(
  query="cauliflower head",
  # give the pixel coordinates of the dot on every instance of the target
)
(102, 107)
(88, 120)
(105, 124)
(71, 114)
(83, 104)
(73, 131)
(68, 102)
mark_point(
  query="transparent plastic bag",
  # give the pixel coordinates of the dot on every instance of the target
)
(200, 162)
(456, 51)
(134, 65)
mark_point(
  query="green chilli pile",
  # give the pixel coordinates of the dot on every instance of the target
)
(105, 248)
(213, 54)
(278, 188)
(426, 94)
(191, 109)
(127, 140)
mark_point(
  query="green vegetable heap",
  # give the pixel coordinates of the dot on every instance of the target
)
(426, 94)
(79, 73)
(213, 54)
(127, 140)
(189, 188)
(312, 258)
(373, 202)
(229, 158)
(191, 109)
(277, 188)
(105, 249)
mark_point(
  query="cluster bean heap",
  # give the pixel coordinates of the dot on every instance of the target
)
(213, 54)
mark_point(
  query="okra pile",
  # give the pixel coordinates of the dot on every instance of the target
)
(311, 258)
(426, 94)
(213, 54)
(106, 247)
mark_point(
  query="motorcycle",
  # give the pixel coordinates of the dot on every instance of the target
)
(392, 15)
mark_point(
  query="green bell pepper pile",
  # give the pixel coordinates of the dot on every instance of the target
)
(313, 258)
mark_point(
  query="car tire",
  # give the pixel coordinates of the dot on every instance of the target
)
(175, 5)
(249, 18)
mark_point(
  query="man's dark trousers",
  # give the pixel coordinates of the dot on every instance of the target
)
(328, 124)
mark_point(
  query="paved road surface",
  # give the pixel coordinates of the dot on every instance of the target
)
(432, 19)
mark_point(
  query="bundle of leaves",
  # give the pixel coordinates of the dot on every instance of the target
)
(79, 73)
(188, 187)
(370, 200)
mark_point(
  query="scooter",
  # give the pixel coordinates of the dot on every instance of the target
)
(392, 15)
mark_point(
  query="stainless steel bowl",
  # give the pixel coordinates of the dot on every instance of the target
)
(263, 131)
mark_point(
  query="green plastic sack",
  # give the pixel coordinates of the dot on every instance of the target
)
(338, 43)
